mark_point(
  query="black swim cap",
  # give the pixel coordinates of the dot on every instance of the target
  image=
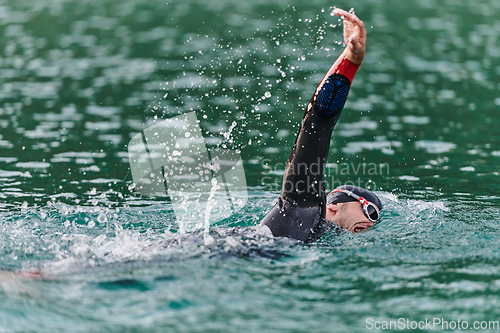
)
(337, 197)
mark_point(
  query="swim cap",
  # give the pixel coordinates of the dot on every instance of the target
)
(337, 197)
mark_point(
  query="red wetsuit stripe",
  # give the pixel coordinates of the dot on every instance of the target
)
(344, 67)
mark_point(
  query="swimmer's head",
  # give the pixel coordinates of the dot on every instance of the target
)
(353, 208)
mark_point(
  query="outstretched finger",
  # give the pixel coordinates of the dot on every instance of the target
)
(350, 17)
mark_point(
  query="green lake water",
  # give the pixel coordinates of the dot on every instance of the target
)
(79, 79)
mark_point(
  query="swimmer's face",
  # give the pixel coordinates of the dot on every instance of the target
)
(348, 215)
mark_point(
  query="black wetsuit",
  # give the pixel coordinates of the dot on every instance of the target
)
(301, 206)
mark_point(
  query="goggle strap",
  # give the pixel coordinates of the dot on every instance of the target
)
(365, 203)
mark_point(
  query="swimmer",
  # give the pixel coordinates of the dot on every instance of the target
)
(303, 210)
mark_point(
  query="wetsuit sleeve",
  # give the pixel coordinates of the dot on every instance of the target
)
(300, 208)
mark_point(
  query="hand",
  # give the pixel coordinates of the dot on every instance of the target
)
(354, 36)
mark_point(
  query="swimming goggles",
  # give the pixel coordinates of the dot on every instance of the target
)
(370, 210)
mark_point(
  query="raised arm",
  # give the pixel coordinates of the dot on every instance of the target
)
(300, 209)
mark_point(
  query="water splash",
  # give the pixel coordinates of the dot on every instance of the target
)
(208, 208)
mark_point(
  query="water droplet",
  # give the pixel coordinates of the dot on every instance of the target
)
(102, 218)
(267, 94)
